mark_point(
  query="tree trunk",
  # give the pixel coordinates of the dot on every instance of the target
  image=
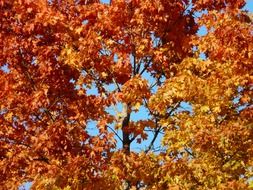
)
(125, 133)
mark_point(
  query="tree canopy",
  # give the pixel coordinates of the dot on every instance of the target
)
(75, 73)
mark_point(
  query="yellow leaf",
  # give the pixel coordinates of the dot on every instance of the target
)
(68, 51)
(9, 154)
(81, 92)
(67, 188)
(137, 106)
(142, 47)
(204, 108)
(8, 116)
(79, 30)
(104, 74)
(217, 109)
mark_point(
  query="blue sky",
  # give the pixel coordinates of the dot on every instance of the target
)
(249, 5)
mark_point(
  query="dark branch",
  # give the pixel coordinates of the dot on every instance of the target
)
(115, 133)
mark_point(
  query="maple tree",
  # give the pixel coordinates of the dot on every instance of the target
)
(70, 64)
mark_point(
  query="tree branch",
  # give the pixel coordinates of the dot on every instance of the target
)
(146, 66)
(154, 137)
(115, 133)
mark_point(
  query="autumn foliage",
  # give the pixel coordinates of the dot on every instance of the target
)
(76, 73)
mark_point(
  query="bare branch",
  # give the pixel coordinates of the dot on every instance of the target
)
(115, 133)
(154, 137)
(146, 66)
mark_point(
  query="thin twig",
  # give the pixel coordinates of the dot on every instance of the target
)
(115, 133)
